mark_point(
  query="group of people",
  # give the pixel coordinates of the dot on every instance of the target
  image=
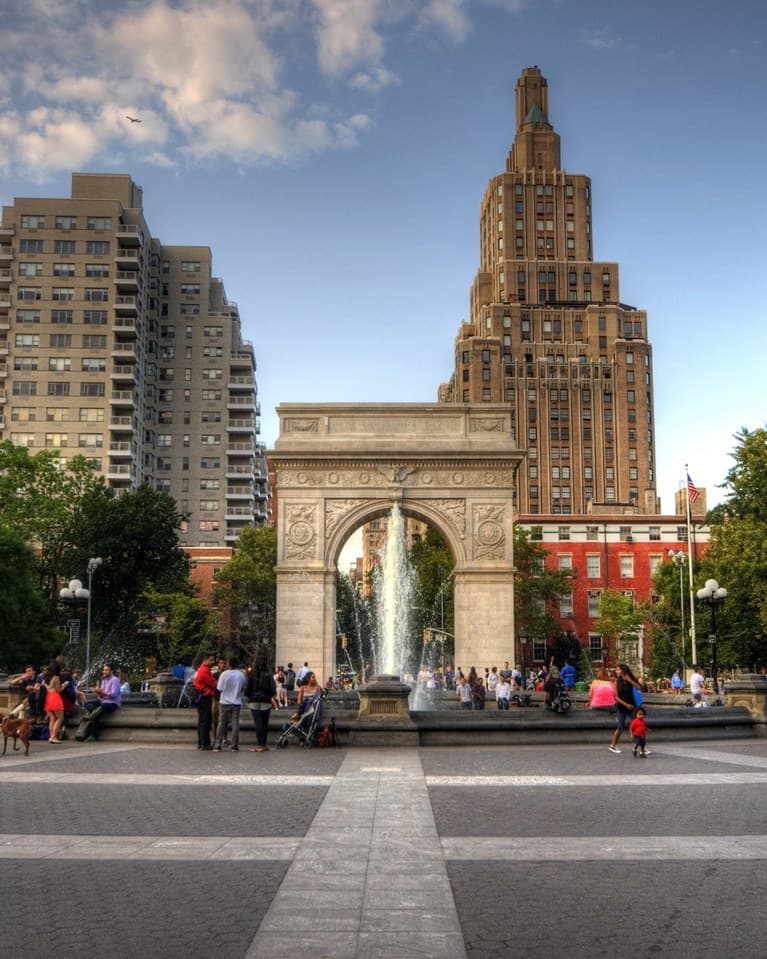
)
(222, 689)
(621, 694)
(53, 693)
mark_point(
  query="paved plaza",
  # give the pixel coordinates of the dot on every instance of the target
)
(127, 850)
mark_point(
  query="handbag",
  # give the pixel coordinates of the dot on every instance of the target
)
(637, 696)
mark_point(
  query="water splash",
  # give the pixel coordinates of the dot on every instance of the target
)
(395, 594)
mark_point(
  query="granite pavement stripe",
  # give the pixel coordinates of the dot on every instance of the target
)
(599, 781)
(604, 848)
(220, 848)
(158, 779)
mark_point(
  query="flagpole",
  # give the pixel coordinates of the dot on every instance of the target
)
(693, 645)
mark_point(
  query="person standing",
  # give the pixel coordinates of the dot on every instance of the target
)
(677, 683)
(568, 676)
(697, 681)
(230, 684)
(261, 693)
(204, 683)
(54, 707)
(625, 684)
(638, 730)
(502, 693)
(464, 693)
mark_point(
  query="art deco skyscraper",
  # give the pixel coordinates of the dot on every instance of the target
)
(548, 333)
(127, 351)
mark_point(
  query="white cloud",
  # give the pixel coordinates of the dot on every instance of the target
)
(450, 16)
(603, 39)
(208, 79)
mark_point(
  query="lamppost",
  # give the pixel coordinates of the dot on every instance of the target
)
(679, 558)
(74, 592)
(713, 595)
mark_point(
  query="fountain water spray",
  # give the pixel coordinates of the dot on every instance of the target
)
(395, 594)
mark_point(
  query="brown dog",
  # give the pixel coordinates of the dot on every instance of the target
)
(18, 729)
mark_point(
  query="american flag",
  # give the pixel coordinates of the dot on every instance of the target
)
(693, 493)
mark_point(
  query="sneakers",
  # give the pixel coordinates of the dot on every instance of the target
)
(643, 755)
(613, 749)
(635, 751)
(647, 752)
(217, 749)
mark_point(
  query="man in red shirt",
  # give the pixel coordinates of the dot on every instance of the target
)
(204, 683)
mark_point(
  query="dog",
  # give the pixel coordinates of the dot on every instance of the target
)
(18, 729)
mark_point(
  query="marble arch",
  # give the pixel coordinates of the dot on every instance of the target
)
(337, 466)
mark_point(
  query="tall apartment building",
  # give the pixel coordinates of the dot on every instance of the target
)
(127, 351)
(548, 333)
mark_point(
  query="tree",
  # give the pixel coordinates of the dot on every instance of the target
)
(40, 498)
(536, 586)
(737, 556)
(26, 632)
(136, 535)
(183, 626)
(621, 622)
(247, 587)
(433, 564)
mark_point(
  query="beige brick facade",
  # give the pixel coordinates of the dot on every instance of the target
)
(128, 352)
(549, 335)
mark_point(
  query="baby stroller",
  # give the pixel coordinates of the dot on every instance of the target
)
(304, 725)
(557, 699)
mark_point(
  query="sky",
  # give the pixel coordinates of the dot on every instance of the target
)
(333, 155)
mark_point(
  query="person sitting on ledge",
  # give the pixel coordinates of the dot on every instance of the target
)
(109, 698)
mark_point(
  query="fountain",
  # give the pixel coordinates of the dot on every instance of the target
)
(395, 591)
(384, 716)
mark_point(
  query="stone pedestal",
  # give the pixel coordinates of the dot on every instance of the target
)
(384, 715)
(166, 688)
(750, 690)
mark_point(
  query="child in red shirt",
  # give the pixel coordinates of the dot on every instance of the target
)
(638, 729)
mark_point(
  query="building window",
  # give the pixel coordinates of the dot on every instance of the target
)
(31, 246)
(66, 222)
(563, 533)
(63, 269)
(539, 649)
(594, 596)
(95, 317)
(627, 567)
(593, 566)
(564, 562)
(566, 605)
(96, 270)
(595, 647)
(99, 222)
(65, 247)
(92, 389)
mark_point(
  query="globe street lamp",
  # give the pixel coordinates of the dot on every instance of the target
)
(74, 592)
(713, 595)
(679, 558)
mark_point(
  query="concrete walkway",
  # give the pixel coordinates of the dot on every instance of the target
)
(369, 878)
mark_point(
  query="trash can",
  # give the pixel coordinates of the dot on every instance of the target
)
(580, 687)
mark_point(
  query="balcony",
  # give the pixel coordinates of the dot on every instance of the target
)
(118, 471)
(235, 471)
(5, 323)
(5, 277)
(3, 370)
(127, 257)
(244, 425)
(5, 300)
(122, 398)
(120, 449)
(239, 513)
(242, 403)
(241, 383)
(129, 234)
(3, 347)
(127, 280)
(6, 252)
(239, 492)
(124, 352)
(123, 372)
(126, 326)
(240, 449)
(126, 305)
(121, 423)
(7, 231)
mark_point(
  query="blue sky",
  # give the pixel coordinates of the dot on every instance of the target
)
(333, 154)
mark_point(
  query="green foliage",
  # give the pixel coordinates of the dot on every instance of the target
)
(182, 624)
(247, 587)
(26, 633)
(433, 563)
(41, 499)
(136, 536)
(737, 558)
(535, 587)
(620, 621)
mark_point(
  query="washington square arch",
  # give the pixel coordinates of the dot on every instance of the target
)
(338, 466)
